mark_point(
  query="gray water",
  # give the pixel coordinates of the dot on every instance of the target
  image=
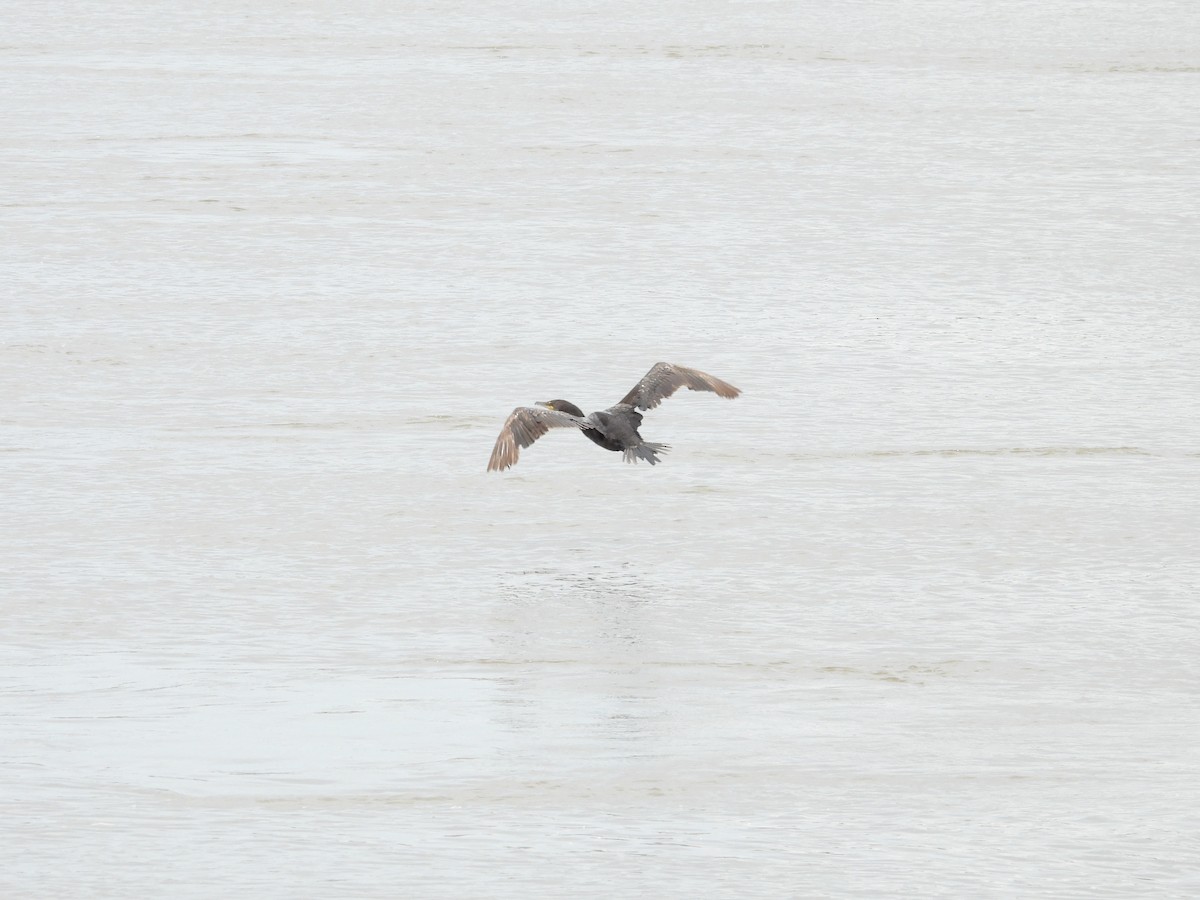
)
(913, 616)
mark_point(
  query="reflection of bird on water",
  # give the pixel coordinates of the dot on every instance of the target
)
(616, 428)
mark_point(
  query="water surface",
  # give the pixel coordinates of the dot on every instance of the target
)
(914, 616)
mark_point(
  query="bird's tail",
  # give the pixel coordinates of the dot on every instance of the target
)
(647, 451)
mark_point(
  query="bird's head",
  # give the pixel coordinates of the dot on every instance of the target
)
(562, 406)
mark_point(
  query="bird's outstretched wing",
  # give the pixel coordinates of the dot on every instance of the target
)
(664, 379)
(523, 427)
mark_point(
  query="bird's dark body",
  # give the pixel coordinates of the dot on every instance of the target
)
(615, 428)
(600, 437)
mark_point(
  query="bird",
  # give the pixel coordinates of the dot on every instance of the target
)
(615, 428)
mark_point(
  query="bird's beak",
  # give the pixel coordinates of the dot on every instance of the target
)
(544, 403)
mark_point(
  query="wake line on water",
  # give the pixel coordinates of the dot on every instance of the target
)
(1019, 451)
(996, 451)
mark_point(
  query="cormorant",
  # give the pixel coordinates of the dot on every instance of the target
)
(616, 428)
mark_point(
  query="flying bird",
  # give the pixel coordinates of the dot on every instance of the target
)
(615, 428)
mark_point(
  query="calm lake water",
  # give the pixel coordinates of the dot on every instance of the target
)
(915, 616)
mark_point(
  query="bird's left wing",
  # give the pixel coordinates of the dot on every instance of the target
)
(523, 427)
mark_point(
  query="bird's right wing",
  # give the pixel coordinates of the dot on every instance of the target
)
(523, 427)
(664, 379)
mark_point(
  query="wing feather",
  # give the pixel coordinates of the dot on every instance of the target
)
(664, 379)
(524, 426)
